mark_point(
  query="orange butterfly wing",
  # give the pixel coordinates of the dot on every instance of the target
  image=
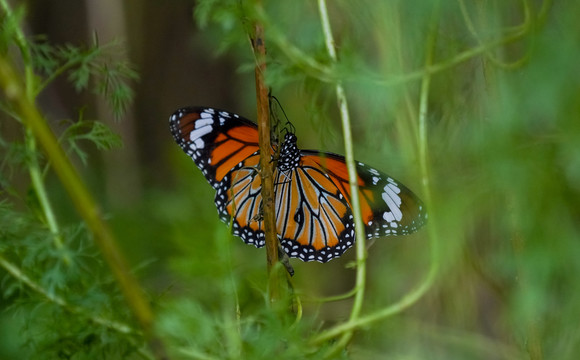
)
(314, 220)
(216, 140)
(387, 206)
(225, 148)
(312, 196)
(239, 195)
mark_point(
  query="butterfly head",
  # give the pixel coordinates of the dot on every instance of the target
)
(289, 153)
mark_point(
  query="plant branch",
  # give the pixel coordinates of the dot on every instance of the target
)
(266, 165)
(492, 58)
(454, 61)
(41, 194)
(361, 253)
(327, 73)
(33, 165)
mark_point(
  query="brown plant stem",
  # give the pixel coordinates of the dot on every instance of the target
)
(266, 167)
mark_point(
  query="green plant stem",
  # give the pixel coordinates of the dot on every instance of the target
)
(394, 309)
(424, 162)
(42, 196)
(456, 60)
(69, 64)
(328, 73)
(490, 56)
(413, 296)
(352, 176)
(338, 297)
(424, 103)
(24, 107)
(40, 190)
(33, 165)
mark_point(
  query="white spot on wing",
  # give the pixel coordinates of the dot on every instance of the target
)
(388, 216)
(203, 122)
(393, 201)
(198, 133)
(394, 187)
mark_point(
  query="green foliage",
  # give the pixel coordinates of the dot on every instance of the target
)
(499, 102)
(502, 145)
(52, 278)
(96, 132)
(95, 63)
(40, 272)
(232, 19)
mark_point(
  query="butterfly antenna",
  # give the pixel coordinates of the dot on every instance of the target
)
(288, 126)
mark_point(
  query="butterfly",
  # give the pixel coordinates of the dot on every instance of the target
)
(314, 217)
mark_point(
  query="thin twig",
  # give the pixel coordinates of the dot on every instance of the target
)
(490, 56)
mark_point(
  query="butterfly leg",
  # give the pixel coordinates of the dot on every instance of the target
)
(285, 260)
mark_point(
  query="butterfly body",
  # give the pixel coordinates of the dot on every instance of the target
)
(314, 219)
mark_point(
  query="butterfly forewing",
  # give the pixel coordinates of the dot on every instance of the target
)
(216, 140)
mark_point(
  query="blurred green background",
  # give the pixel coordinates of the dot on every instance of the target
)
(503, 149)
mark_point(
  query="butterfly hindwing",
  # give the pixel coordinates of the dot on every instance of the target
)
(393, 208)
(239, 195)
(387, 206)
(314, 220)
